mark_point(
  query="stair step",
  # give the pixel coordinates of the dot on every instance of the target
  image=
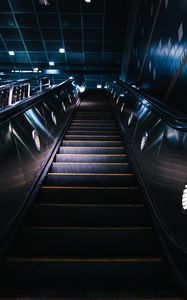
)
(96, 118)
(101, 121)
(92, 125)
(102, 273)
(94, 113)
(42, 214)
(92, 137)
(92, 158)
(90, 167)
(85, 242)
(90, 294)
(89, 143)
(89, 132)
(90, 179)
(89, 195)
(91, 150)
(93, 129)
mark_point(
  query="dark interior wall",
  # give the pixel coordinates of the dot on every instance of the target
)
(157, 62)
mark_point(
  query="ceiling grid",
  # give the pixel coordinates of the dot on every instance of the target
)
(92, 35)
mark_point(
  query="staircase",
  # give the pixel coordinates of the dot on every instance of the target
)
(88, 229)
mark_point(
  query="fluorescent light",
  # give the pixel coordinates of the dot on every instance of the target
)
(61, 50)
(11, 53)
(81, 89)
(51, 63)
(51, 71)
(99, 86)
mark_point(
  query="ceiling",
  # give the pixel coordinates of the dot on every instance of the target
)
(92, 35)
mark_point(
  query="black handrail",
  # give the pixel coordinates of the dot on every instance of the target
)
(172, 117)
(19, 107)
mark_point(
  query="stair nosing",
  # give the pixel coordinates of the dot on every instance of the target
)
(91, 163)
(83, 228)
(83, 259)
(86, 205)
(89, 187)
(89, 174)
(92, 154)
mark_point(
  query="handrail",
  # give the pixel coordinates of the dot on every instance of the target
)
(172, 117)
(17, 108)
(10, 112)
(20, 89)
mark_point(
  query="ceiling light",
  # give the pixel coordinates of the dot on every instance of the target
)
(44, 2)
(82, 89)
(51, 63)
(61, 50)
(11, 53)
(99, 86)
(88, 1)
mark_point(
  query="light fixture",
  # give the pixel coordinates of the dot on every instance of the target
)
(143, 140)
(36, 140)
(184, 198)
(11, 53)
(44, 2)
(61, 50)
(87, 1)
(35, 69)
(51, 63)
(99, 86)
(82, 89)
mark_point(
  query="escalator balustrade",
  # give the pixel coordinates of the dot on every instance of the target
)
(88, 228)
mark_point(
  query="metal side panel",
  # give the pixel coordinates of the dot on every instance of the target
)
(25, 143)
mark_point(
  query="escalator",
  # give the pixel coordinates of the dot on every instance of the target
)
(88, 229)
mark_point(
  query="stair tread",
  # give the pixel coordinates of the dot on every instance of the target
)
(85, 259)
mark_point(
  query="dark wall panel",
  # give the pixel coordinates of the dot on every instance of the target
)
(158, 60)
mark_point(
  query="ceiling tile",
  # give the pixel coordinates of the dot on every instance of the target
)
(18, 46)
(51, 33)
(72, 34)
(117, 6)
(93, 46)
(34, 45)
(10, 34)
(26, 20)
(53, 45)
(22, 5)
(95, 21)
(93, 34)
(72, 46)
(31, 33)
(48, 20)
(7, 20)
(69, 21)
(70, 6)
